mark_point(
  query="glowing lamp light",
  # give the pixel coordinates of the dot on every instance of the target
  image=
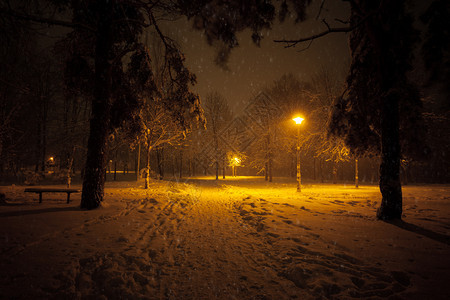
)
(237, 161)
(51, 158)
(298, 120)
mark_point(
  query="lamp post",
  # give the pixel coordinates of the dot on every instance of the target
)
(298, 121)
(235, 162)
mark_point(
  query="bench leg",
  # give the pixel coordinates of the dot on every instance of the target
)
(68, 197)
(40, 197)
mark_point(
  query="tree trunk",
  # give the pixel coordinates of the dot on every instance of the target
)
(190, 166)
(160, 160)
(115, 168)
(404, 174)
(70, 168)
(390, 185)
(217, 169)
(38, 146)
(335, 170)
(181, 164)
(94, 177)
(270, 167)
(321, 171)
(138, 161)
(147, 173)
(314, 168)
(44, 134)
(356, 174)
(266, 173)
(174, 163)
(269, 156)
(382, 32)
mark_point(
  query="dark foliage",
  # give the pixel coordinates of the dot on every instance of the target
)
(357, 114)
(436, 46)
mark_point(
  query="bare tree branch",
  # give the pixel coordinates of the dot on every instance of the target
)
(293, 43)
(158, 30)
(320, 9)
(326, 24)
(307, 47)
(341, 21)
(163, 39)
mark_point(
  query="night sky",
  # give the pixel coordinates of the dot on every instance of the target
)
(252, 68)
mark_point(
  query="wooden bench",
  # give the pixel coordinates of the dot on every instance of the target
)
(51, 190)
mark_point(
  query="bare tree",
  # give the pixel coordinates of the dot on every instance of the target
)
(218, 115)
(286, 98)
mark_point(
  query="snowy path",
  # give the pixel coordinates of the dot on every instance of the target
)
(226, 240)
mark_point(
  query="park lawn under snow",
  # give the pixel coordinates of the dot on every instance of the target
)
(239, 238)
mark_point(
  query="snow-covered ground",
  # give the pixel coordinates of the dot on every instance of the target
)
(240, 238)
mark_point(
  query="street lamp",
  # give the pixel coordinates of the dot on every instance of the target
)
(298, 121)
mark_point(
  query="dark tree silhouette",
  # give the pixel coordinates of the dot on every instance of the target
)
(381, 107)
(436, 46)
(27, 92)
(435, 52)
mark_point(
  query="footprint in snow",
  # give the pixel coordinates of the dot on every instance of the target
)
(305, 209)
(153, 201)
